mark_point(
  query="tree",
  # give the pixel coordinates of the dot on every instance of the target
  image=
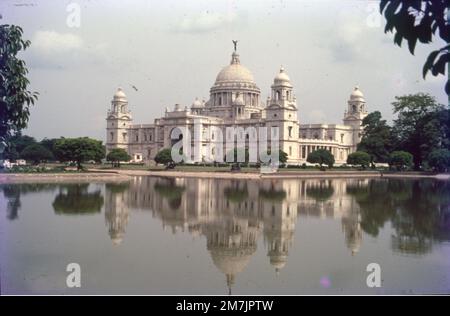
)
(439, 160)
(16, 144)
(15, 99)
(36, 153)
(321, 156)
(400, 160)
(79, 150)
(376, 139)
(117, 155)
(49, 143)
(418, 128)
(359, 158)
(282, 156)
(420, 21)
(164, 156)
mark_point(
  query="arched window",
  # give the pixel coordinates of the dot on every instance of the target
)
(278, 95)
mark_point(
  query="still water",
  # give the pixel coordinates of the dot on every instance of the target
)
(208, 236)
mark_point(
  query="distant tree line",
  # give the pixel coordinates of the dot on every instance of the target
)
(74, 150)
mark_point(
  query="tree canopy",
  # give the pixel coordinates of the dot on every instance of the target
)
(79, 150)
(164, 156)
(376, 139)
(15, 99)
(421, 21)
(400, 159)
(420, 126)
(117, 155)
(16, 144)
(321, 157)
(359, 158)
(439, 160)
(36, 153)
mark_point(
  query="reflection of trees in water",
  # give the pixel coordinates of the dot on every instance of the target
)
(237, 192)
(272, 194)
(321, 191)
(375, 204)
(76, 199)
(13, 192)
(418, 210)
(171, 191)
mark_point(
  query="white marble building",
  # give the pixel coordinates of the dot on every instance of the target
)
(235, 101)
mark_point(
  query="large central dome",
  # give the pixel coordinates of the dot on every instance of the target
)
(235, 73)
(234, 87)
(235, 77)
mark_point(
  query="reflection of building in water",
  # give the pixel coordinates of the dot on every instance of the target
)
(232, 214)
(279, 214)
(328, 199)
(231, 243)
(116, 211)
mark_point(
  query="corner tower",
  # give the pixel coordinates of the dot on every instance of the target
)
(355, 114)
(281, 112)
(118, 122)
(356, 110)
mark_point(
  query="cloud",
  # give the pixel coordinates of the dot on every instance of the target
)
(50, 49)
(205, 22)
(350, 38)
(51, 42)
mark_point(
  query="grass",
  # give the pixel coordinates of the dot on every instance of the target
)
(209, 168)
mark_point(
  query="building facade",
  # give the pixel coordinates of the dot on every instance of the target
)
(235, 101)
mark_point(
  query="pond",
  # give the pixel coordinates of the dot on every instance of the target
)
(209, 236)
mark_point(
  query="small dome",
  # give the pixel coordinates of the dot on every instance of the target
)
(357, 94)
(282, 76)
(120, 95)
(197, 103)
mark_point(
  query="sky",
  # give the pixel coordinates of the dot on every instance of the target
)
(172, 51)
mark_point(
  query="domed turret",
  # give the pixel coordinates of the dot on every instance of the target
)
(282, 78)
(119, 95)
(197, 103)
(357, 95)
